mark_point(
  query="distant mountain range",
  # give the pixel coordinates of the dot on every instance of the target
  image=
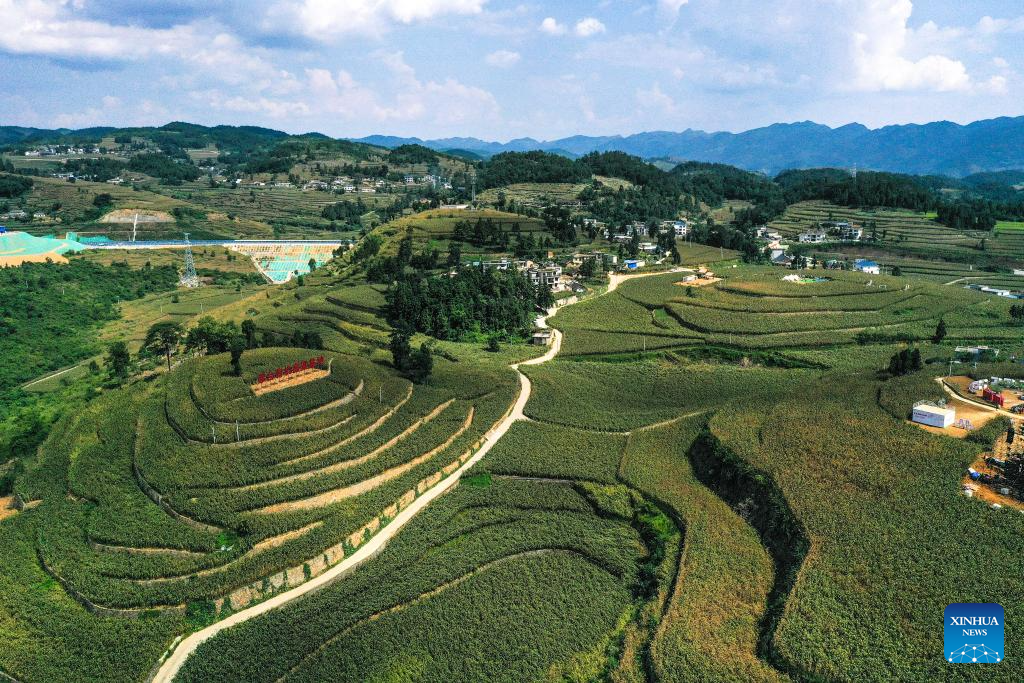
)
(941, 148)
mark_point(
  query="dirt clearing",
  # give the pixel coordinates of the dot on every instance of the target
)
(145, 216)
(7, 508)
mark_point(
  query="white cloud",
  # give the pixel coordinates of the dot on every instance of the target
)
(340, 95)
(112, 110)
(503, 59)
(1000, 62)
(671, 7)
(325, 19)
(655, 98)
(879, 54)
(996, 85)
(589, 26)
(552, 27)
(55, 28)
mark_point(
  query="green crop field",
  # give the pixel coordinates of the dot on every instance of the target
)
(726, 468)
(754, 309)
(752, 472)
(434, 229)
(912, 234)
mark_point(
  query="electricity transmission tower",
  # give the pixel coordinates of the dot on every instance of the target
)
(189, 277)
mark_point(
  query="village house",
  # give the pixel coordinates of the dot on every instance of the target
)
(813, 236)
(548, 275)
(680, 228)
(779, 257)
(850, 233)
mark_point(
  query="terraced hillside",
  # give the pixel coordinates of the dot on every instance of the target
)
(435, 228)
(786, 515)
(739, 479)
(754, 311)
(183, 500)
(913, 233)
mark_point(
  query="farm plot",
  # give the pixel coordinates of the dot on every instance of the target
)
(498, 566)
(436, 227)
(206, 258)
(199, 493)
(878, 507)
(911, 233)
(754, 309)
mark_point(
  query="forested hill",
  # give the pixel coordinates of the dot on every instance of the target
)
(941, 148)
(974, 202)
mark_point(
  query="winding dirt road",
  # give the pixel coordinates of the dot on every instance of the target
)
(172, 664)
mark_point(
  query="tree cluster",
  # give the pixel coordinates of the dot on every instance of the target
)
(905, 362)
(968, 214)
(345, 212)
(416, 365)
(159, 165)
(14, 185)
(471, 301)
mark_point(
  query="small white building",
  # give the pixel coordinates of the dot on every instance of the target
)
(679, 228)
(933, 416)
(814, 236)
(779, 257)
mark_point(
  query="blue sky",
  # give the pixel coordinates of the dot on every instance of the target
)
(500, 70)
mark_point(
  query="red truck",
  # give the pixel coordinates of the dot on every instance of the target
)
(993, 397)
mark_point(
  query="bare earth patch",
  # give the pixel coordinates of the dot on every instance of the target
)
(145, 216)
(7, 507)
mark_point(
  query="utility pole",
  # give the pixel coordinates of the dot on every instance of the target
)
(189, 278)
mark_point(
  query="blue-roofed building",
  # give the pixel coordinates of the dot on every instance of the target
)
(867, 266)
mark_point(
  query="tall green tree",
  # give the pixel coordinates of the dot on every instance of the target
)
(118, 360)
(940, 331)
(163, 338)
(249, 332)
(237, 346)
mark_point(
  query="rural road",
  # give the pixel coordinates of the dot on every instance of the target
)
(172, 665)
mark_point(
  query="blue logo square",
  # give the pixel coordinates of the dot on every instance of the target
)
(973, 633)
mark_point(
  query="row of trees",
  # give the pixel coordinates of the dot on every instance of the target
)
(209, 336)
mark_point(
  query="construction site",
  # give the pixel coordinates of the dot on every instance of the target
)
(277, 260)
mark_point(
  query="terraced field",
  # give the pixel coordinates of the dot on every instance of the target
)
(912, 233)
(754, 310)
(780, 514)
(289, 208)
(192, 498)
(706, 470)
(434, 229)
